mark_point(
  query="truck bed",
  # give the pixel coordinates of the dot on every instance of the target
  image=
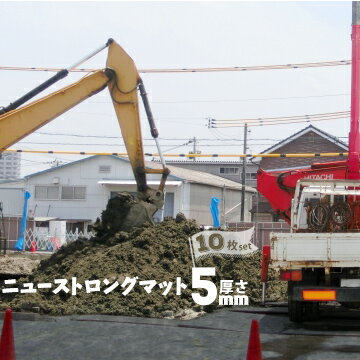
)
(308, 250)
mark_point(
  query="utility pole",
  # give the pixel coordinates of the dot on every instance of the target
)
(194, 147)
(242, 216)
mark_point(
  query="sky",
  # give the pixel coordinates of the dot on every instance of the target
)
(184, 34)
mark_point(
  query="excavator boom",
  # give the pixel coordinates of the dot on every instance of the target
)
(123, 81)
(17, 124)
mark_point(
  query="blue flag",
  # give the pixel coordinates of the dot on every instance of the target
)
(20, 243)
(214, 209)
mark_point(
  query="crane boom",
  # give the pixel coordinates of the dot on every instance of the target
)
(278, 186)
(353, 171)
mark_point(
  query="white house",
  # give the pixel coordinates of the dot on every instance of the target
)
(79, 191)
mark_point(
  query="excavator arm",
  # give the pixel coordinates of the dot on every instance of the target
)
(123, 90)
(17, 124)
(123, 81)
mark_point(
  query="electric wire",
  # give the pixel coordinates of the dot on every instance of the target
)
(214, 123)
(198, 69)
(276, 123)
(247, 99)
(175, 146)
(93, 101)
(321, 115)
(161, 138)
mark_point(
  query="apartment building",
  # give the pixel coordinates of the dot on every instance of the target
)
(10, 165)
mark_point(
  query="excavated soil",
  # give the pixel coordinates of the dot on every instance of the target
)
(159, 252)
(17, 265)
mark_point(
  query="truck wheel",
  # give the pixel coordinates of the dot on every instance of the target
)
(311, 310)
(301, 310)
(296, 311)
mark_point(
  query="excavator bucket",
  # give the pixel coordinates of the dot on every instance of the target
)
(125, 212)
(139, 214)
(143, 209)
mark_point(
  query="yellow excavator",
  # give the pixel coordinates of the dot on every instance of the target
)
(123, 81)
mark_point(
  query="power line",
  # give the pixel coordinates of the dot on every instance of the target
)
(80, 135)
(174, 146)
(33, 161)
(199, 69)
(278, 123)
(92, 101)
(151, 139)
(157, 117)
(214, 123)
(102, 136)
(248, 99)
(288, 117)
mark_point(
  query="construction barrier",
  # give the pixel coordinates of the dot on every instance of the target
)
(254, 346)
(7, 346)
(290, 155)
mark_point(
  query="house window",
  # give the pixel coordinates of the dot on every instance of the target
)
(46, 192)
(251, 176)
(73, 193)
(229, 170)
(104, 169)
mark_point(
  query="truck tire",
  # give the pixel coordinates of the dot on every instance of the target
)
(300, 311)
(296, 310)
(311, 310)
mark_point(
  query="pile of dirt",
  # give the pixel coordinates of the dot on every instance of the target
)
(159, 253)
(17, 265)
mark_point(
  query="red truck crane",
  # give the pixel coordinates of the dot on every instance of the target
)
(278, 187)
(320, 256)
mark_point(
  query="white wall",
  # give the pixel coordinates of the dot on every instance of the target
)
(86, 173)
(201, 195)
(191, 199)
(12, 200)
(79, 174)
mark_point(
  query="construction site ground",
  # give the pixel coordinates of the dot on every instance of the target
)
(20, 263)
(222, 334)
(135, 326)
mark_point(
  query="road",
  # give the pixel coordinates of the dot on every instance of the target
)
(222, 335)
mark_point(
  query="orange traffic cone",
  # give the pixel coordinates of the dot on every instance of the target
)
(254, 346)
(33, 246)
(7, 348)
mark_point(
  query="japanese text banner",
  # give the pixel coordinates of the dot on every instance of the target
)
(226, 243)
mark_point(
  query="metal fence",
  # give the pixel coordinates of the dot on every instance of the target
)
(10, 226)
(40, 240)
(45, 241)
(262, 230)
(37, 238)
